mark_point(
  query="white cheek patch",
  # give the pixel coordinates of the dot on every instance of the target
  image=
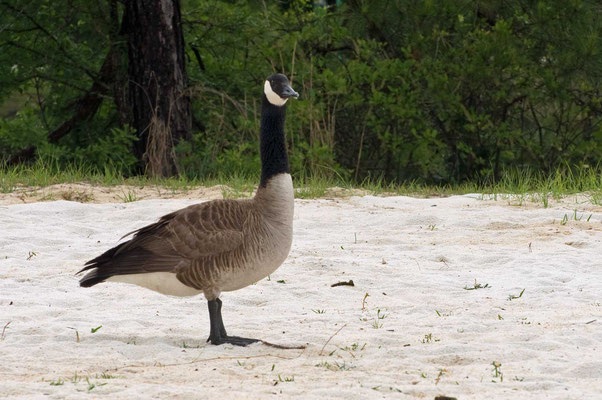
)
(272, 96)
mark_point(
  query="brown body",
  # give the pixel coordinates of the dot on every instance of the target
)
(220, 245)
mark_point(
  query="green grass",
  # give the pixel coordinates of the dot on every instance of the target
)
(41, 174)
(477, 286)
(130, 197)
(235, 186)
(513, 297)
(517, 187)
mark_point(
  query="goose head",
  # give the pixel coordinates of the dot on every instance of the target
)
(278, 90)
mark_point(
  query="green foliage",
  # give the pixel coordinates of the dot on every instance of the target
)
(95, 150)
(436, 91)
(24, 130)
(428, 91)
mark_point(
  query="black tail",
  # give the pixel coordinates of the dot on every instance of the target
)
(132, 257)
(125, 259)
(88, 280)
(100, 268)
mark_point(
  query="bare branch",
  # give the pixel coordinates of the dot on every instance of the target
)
(85, 108)
(51, 36)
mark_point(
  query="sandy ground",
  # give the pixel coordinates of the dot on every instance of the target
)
(86, 193)
(409, 328)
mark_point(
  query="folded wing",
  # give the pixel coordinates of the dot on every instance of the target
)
(174, 242)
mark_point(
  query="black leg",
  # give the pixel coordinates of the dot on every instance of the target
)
(222, 329)
(218, 334)
(214, 322)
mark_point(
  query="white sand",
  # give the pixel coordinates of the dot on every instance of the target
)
(412, 256)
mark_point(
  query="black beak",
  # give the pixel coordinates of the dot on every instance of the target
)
(289, 92)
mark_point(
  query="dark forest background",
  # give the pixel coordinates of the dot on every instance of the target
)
(436, 91)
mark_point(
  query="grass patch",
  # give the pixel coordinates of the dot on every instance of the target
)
(477, 286)
(187, 346)
(309, 188)
(128, 197)
(428, 338)
(520, 186)
(513, 297)
(515, 186)
(335, 366)
(286, 378)
(497, 371)
(235, 186)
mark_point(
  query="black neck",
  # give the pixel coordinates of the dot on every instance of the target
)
(274, 159)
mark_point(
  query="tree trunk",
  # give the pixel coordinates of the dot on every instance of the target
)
(158, 80)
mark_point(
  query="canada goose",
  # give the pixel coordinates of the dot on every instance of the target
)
(220, 245)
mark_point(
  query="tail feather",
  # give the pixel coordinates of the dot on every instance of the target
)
(96, 266)
(90, 280)
(145, 252)
(134, 260)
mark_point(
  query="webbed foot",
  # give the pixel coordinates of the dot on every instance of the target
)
(233, 340)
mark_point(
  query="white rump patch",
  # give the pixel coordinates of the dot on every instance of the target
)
(162, 282)
(272, 96)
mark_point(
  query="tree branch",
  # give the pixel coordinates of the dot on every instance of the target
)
(51, 36)
(85, 108)
(51, 79)
(93, 76)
